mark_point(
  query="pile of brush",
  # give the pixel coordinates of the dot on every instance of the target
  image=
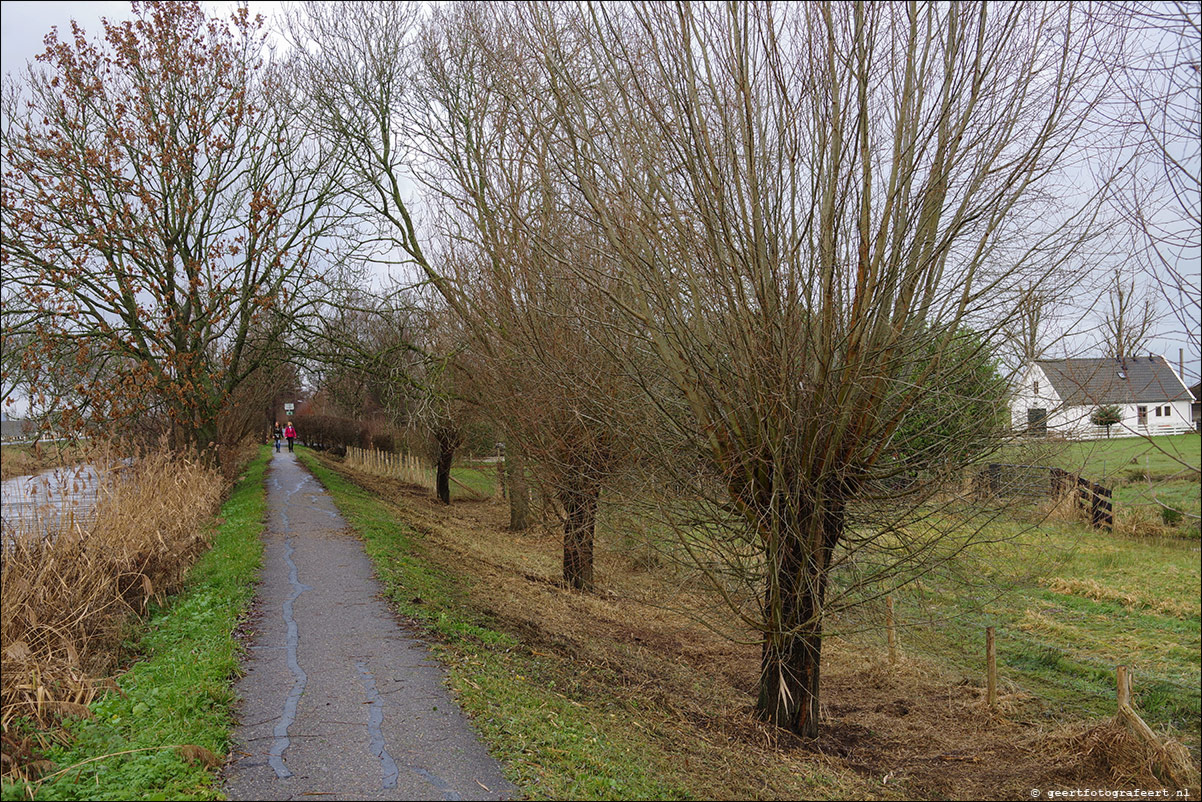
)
(68, 591)
(1110, 747)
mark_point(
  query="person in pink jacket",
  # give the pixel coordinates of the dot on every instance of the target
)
(290, 433)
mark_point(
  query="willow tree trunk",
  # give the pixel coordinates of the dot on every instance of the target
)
(580, 510)
(792, 650)
(519, 493)
(447, 443)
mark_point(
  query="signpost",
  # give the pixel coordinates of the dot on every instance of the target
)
(288, 408)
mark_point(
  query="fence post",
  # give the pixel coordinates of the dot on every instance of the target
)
(890, 632)
(990, 669)
(1171, 767)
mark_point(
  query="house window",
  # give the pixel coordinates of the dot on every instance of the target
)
(1158, 412)
(1142, 413)
(1036, 386)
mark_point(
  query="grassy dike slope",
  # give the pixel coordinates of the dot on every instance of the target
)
(165, 732)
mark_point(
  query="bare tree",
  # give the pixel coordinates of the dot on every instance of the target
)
(1130, 321)
(1158, 122)
(427, 112)
(157, 206)
(809, 207)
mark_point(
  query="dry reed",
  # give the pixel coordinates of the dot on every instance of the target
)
(1109, 747)
(1137, 520)
(1064, 508)
(67, 592)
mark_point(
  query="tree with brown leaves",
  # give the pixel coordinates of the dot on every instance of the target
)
(157, 207)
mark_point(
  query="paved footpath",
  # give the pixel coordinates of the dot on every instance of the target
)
(338, 699)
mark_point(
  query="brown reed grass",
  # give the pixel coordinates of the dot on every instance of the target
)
(1107, 747)
(1064, 508)
(1137, 520)
(67, 593)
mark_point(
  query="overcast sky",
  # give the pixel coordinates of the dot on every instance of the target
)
(25, 24)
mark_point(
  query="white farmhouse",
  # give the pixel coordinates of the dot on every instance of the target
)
(1060, 395)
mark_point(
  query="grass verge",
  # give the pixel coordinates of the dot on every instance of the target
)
(166, 729)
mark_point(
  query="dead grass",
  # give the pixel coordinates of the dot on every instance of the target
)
(66, 595)
(1065, 508)
(1092, 589)
(910, 730)
(1141, 521)
(1110, 749)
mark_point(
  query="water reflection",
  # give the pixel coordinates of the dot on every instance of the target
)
(44, 501)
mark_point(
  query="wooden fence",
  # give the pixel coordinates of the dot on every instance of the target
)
(1041, 481)
(406, 467)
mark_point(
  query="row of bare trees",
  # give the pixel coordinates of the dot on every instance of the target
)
(757, 255)
(745, 266)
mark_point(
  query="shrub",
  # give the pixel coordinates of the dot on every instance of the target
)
(1170, 516)
(1106, 416)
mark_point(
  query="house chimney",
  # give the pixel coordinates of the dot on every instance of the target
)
(1181, 363)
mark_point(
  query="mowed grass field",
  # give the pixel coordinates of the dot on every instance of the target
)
(1069, 604)
(1155, 481)
(1073, 602)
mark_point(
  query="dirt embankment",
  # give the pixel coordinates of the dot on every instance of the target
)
(911, 730)
(22, 459)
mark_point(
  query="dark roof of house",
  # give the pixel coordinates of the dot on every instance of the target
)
(1128, 380)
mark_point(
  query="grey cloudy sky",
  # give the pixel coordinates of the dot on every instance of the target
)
(23, 24)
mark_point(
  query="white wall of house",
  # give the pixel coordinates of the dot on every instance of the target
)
(1073, 421)
(1034, 391)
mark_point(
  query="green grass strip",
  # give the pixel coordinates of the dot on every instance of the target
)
(551, 746)
(181, 693)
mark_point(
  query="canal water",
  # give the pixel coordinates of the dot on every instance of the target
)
(43, 500)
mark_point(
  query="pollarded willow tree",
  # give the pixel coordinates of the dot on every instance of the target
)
(817, 212)
(537, 357)
(420, 109)
(158, 205)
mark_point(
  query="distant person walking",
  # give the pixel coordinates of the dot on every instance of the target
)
(290, 433)
(277, 434)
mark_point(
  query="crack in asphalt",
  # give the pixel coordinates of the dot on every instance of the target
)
(288, 715)
(388, 767)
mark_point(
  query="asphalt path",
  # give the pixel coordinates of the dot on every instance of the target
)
(338, 700)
